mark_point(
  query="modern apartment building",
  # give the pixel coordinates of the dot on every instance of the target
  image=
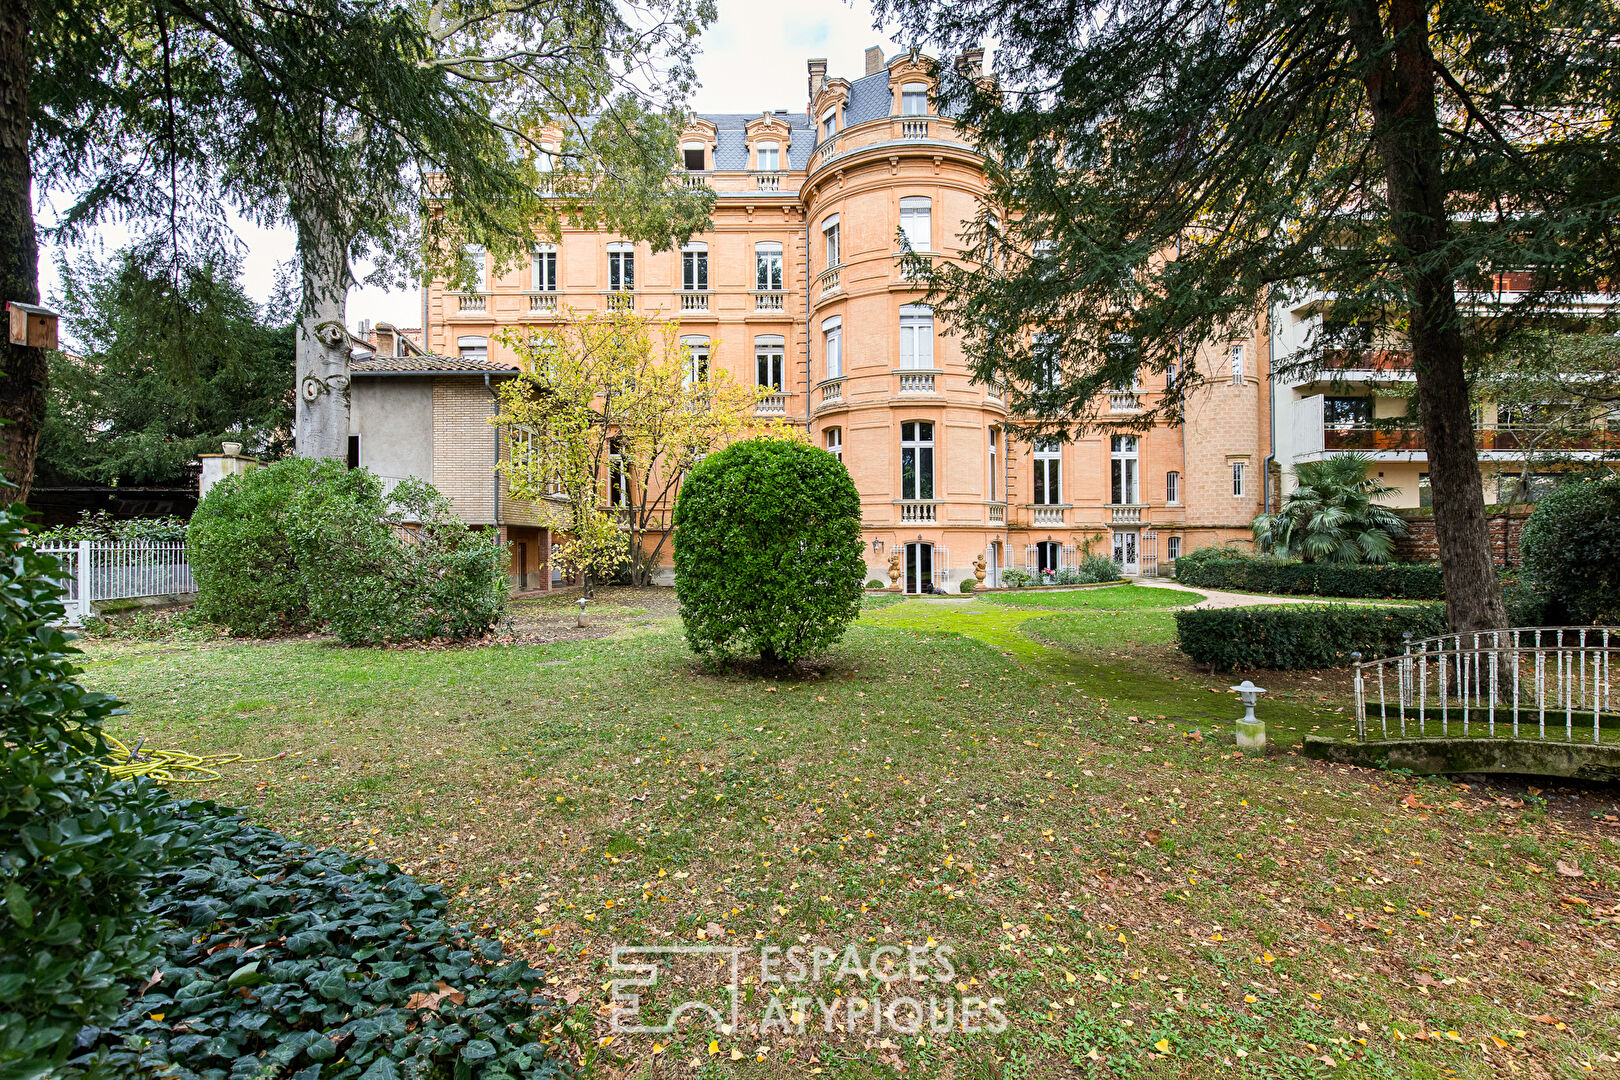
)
(798, 287)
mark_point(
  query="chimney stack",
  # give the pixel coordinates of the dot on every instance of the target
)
(971, 63)
(874, 60)
(387, 340)
(818, 75)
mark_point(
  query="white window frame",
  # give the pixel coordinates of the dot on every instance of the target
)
(543, 268)
(909, 92)
(1235, 356)
(922, 447)
(695, 360)
(1047, 376)
(832, 346)
(476, 257)
(1124, 470)
(694, 267)
(1240, 477)
(775, 152)
(994, 445)
(835, 443)
(830, 240)
(472, 347)
(768, 266)
(1047, 487)
(1172, 487)
(829, 123)
(917, 222)
(701, 148)
(1172, 548)
(621, 267)
(770, 360)
(618, 477)
(917, 337)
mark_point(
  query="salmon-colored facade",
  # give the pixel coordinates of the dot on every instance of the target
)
(798, 285)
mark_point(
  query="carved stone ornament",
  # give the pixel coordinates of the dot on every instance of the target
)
(894, 570)
(979, 569)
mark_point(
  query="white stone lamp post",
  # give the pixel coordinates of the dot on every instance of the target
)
(1251, 732)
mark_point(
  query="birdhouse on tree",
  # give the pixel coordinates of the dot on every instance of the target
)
(32, 325)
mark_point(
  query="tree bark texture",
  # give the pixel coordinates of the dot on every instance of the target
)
(1401, 95)
(23, 371)
(322, 345)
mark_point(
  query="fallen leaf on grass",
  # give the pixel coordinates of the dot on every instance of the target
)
(1569, 870)
(431, 1000)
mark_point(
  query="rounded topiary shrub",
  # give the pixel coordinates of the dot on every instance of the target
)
(768, 551)
(1571, 550)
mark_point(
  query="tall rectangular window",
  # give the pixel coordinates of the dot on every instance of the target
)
(1239, 474)
(916, 460)
(914, 99)
(829, 124)
(1236, 353)
(832, 337)
(835, 443)
(618, 476)
(621, 267)
(1123, 460)
(768, 157)
(915, 221)
(543, 269)
(829, 233)
(697, 359)
(1043, 355)
(768, 353)
(477, 263)
(1172, 488)
(695, 268)
(768, 266)
(1048, 489)
(994, 486)
(916, 336)
(1173, 548)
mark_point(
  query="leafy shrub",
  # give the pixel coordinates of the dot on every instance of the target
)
(1291, 637)
(75, 845)
(1016, 579)
(1570, 550)
(282, 960)
(875, 584)
(102, 526)
(1221, 568)
(768, 551)
(1332, 515)
(968, 584)
(1095, 568)
(302, 544)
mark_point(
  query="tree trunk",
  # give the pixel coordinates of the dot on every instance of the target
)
(1401, 95)
(23, 371)
(322, 428)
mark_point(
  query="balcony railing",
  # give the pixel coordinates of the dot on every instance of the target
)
(768, 181)
(472, 302)
(913, 272)
(827, 282)
(1519, 438)
(997, 514)
(772, 405)
(1127, 515)
(917, 382)
(1046, 515)
(621, 300)
(826, 150)
(832, 391)
(1367, 360)
(696, 179)
(772, 300)
(694, 301)
(918, 513)
(542, 303)
(914, 129)
(1124, 401)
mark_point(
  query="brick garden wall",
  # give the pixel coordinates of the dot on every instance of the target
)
(1421, 545)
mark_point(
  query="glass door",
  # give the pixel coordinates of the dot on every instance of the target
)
(919, 567)
(1126, 553)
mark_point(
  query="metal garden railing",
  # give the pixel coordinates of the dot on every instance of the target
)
(1517, 683)
(94, 571)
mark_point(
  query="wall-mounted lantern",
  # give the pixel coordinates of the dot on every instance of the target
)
(877, 547)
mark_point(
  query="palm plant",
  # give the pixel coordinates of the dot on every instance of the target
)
(1332, 516)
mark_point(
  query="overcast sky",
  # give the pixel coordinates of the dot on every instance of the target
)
(753, 59)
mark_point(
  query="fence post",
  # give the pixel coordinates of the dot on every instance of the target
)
(85, 608)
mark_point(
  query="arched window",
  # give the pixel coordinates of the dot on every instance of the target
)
(914, 99)
(768, 266)
(916, 215)
(829, 232)
(832, 338)
(768, 353)
(916, 460)
(1172, 488)
(472, 348)
(835, 443)
(916, 336)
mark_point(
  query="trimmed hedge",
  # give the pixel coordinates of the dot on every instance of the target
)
(1222, 569)
(1293, 637)
(280, 960)
(1571, 551)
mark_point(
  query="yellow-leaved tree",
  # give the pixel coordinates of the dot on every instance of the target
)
(609, 414)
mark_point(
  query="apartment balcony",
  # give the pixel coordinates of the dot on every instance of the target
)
(1126, 514)
(1124, 401)
(827, 283)
(696, 179)
(915, 127)
(910, 274)
(620, 299)
(917, 382)
(694, 301)
(772, 405)
(1046, 515)
(1509, 441)
(472, 303)
(1393, 360)
(832, 392)
(542, 303)
(919, 512)
(770, 300)
(996, 513)
(768, 181)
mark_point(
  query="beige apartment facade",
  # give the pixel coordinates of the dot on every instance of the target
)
(797, 287)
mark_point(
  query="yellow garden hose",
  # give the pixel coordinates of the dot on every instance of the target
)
(170, 766)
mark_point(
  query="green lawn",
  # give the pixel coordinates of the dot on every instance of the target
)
(1049, 791)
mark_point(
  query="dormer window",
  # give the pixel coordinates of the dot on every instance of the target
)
(829, 123)
(768, 157)
(694, 156)
(914, 99)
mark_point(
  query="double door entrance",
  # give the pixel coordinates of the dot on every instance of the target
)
(919, 567)
(1127, 552)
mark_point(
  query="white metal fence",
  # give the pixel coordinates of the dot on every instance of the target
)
(93, 571)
